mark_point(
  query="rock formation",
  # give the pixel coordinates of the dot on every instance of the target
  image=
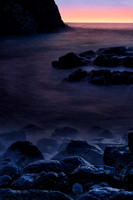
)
(29, 16)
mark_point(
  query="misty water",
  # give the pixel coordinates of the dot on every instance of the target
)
(32, 92)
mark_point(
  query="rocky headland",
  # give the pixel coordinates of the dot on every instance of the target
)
(29, 17)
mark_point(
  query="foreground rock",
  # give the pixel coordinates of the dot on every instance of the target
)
(27, 17)
(23, 153)
(68, 61)
(9, 194)
(82, 149)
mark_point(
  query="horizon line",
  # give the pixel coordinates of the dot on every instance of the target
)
(99, 22)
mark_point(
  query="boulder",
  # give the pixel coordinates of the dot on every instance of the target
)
(9, 194)
(5, 181)
(77, 189)
(8, 167)
(119, 51)
(127, 176)
(107, 61)
(78, 75)
(66, 132)
(23, 152)
(87, 54)
(106, 133)
(47, 145)
(87, 196)
(43, 166)
(81, 148)
(128, 61)
(29, 17)
(68, 61)
(24, 182)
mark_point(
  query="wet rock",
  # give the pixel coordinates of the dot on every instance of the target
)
(77, 189)
(5, 181)
(127, 177)
(128, 61)
(68, 61)
(23, 152)
(117, 156)
(9, 194)
(106, 134)
(107, 61)
(100, 77)
(82, 149)
(78, 75)
(119, 51)
(24, 182)
(122, 195)
(29, 17)
(87, 54)
(87, 196)
(71, 163)
(65, 132)
(46, 181)
(130, 140)
(43, 165)
(8, 167)
(47, 145)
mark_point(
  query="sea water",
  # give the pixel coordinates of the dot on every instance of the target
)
(32, 92)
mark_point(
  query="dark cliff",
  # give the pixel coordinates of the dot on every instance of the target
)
(29, 16)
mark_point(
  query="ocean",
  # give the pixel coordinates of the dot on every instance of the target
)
(32, 92)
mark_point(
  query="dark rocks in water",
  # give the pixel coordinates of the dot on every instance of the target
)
(9, 194)
(66, 132)
(47, 145)
(117, 156)
(43, 165)
(23, 152)
(82, 149)
(68, 61)
(128, 61)
(100, 77)
(87, 54)
(72, 162)
(8, 167)
(106, 134)
(78, 75)
(77, 189)
(119, 51)
(107, 61)
(28, 17)
(127, 177)
(5, 181)
(130, 141)
(87, 196)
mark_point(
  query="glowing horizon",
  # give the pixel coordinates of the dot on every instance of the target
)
(100, 11)
(97, 15)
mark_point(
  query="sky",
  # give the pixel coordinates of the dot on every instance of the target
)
(96, 10)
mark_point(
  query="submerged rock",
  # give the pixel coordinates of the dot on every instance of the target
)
(28, 17)
(23, 152)
(82, 149)
(66, 132)
(68, 61)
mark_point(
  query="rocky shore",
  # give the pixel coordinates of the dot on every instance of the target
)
(105, 61)
(79, 171)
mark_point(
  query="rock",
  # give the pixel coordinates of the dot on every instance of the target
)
(68, 61)
(82, 149)
(128, 61)
(130, 140)
(28, 17)
(119, 51)
(43, 165)
(106, 134)
(9, 194)
(24, 182)
(100, 77)
(71, 163)
(87, 54)
(5, 181)
(78, 75)
(117, 156)
(47, 145)
(46, 181)
(77, 189)
(123, 195)
(23, 153)
(65, 132)
(87, 196)
(127, 177)
(8, 167)
(107, 61)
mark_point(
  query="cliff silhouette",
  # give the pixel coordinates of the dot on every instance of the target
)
(29, 17)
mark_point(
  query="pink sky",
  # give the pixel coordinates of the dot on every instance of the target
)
(97, 15)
